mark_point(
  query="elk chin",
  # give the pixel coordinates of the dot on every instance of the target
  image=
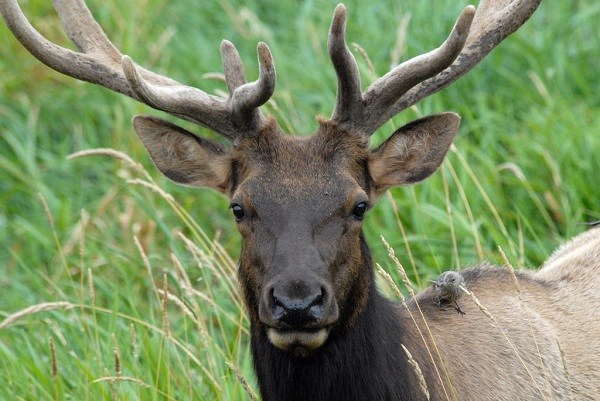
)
(299, 342)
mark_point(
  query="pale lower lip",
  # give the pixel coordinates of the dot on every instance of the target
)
(287, 340)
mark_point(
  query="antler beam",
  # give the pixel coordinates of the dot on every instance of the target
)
(474, 35)
(100, 62)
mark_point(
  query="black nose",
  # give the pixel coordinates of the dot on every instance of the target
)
(298, 311)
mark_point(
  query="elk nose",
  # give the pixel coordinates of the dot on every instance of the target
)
(298, 312)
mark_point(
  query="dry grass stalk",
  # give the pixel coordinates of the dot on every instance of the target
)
(418, 372)
(488, 201)
(365, 56)
(283, 115)
(228, 266)
(479, 304)
(218, 76)
(177, 301)
(111, 385)
(521, 240)
(46, 210)
(565, 367)
(54, 233)
(135, 346)
(411, 258)
(450, 213)
(465, 201)
(129, 379)
(205, 298)
(400, 45)
(487, 313)
(33, 309)
(56, 329)
(77, 234)
(408, 285)
(116, 356)
(403, 275)
(81, 242)
(182, 277)
(197, 315)
(146, 262)
(203, 261)
(53, 362)
(115, 154)
(242, 381)
(390, 281)
(91, 288)
(511, 269)
(153, 187)
(199, 234)
(165, 297)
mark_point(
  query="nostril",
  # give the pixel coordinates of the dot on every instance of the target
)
(277, 305)
(316, 306)
(297, 309)
(274, 299)
(317, 300)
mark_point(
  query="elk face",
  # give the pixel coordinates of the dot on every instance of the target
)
(299, 203)
(299, 207)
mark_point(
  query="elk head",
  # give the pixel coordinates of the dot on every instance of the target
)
(298, 201)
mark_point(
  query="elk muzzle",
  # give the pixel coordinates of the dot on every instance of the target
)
(298, 312)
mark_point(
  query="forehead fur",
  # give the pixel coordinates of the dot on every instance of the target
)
(287, 158)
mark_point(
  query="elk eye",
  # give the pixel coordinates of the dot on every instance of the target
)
(238, 212)
(360, 210)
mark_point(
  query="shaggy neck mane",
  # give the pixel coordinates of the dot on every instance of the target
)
(365, 359)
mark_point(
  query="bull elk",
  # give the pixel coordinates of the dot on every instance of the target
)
(320, 330)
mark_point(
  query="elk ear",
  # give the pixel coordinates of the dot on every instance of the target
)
(413, 152)
(182, 156)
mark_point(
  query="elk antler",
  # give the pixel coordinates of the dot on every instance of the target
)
(474, 35)
(100, 62)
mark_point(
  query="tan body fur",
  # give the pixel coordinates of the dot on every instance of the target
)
(545, 343)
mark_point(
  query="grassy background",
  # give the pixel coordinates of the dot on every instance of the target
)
(523, 175)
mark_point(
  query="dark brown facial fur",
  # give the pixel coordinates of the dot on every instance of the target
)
(300, 232)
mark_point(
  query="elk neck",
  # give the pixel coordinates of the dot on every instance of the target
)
(362, 355)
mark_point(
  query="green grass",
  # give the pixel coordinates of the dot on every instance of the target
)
(523, 175)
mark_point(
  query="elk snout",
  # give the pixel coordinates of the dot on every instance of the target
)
(297, 312)
(297, 304)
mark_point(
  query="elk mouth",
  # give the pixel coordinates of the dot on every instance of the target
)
(298, 342)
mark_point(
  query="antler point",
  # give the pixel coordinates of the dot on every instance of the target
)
(463, 23)
(264, 55)
(128, 67)
(339, 20)
(226, 45)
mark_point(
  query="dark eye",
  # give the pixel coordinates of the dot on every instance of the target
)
(238, 212)
(360, 210)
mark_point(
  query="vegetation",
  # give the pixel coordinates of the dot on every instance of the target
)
(103, 237)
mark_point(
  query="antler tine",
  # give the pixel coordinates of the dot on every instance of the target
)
(235, 76)
(100, 62)
(387, 89)
(235, 117)
(493, 22)
(474, 35)
(348, 98)
(255, 94)
(364, 113)
(75, 18)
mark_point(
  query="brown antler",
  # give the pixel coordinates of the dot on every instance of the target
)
(100, 62)
(474, 35)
